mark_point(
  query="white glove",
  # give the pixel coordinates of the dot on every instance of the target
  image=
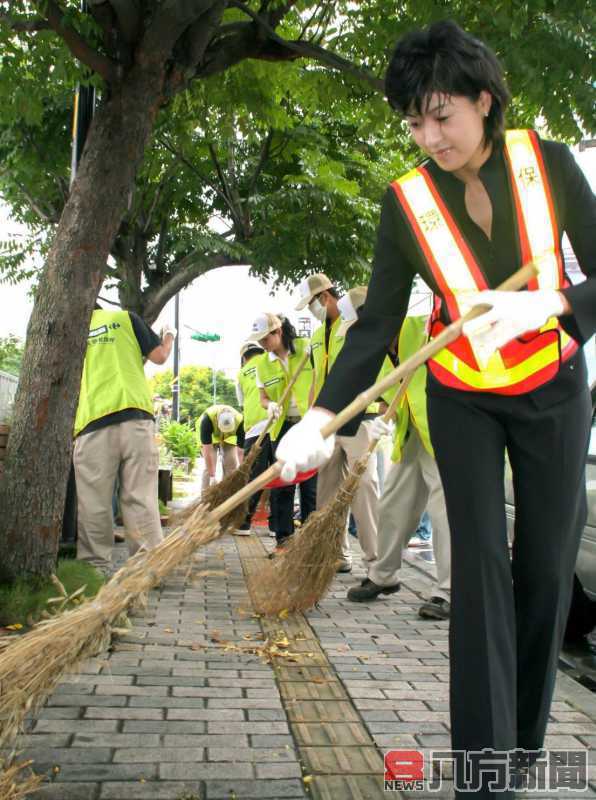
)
(164, 332)
(212, 480)
(510, 315)
(303, 447)
(380, 428)
(273, 410)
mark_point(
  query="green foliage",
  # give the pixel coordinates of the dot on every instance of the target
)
(196, 390)
(24, 600)
(11, 354)
(181, 441)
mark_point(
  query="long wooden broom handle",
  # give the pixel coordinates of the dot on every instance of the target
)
(285, 395)
(515, 282)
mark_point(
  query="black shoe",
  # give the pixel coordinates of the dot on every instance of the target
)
(436, 608)
(344, 568)
(368, 590)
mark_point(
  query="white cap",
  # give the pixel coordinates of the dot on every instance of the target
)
(226, 420)
(311, 287)
(250, 344)
(264, 324)
(348, 306)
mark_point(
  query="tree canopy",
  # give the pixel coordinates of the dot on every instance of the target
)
(196, 390)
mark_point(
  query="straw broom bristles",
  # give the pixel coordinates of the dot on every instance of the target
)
(303, 573)
(15, 786)
(31, 665)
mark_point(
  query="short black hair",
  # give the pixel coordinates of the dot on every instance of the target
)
(288, 333)
(445, 59)
(251, 353)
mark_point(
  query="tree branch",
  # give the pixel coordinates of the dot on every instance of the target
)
(104, 66)
(187, 270)
(276, 16)
(48, 216)
(129, 18)
(169, 23)
(200, 33)
(265, 150)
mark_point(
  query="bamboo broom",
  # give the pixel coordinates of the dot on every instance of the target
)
(298, 578)
(31, 665)
(232, 483)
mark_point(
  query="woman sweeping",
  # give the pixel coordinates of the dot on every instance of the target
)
(483, 203)
(275, 368)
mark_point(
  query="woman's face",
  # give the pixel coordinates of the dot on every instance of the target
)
(451, 130)
(272, 342)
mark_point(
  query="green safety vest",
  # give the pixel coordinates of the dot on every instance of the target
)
(275, 379)
(217, 437)
(324, 358)
(412, 408)
(335, 345)
(252, 408)
(113, 378)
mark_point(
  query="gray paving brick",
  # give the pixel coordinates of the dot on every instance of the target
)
(59, 712)
(165, 726)
(82, 700)
(248, 727)
(68, 755)
(206, 740)
(244, 702)
(160, 755)
(239, 754)
(67, 791)
(272, 740)
(166, 702)
(123, 713)
(132, 691)
(260, 714)
(116, 740)
(276, 771)
(107, 772)
(255, 790)
(207, 691)
(74, 726)
(206, 713)
(150, 790)
(43, 740)
(205, 771)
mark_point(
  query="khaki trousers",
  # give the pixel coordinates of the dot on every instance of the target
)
(229, 458)
(128, 449)
(412, 485)
(365, 505)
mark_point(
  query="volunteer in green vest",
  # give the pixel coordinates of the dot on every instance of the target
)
(322, 299)
(220, 430)
(115, 435)
(275, 367)
(255, 419)
(413, 484)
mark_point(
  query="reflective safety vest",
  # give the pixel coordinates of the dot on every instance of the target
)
(530, 360)
(274, 378)
(113, 378)
(252, 408)
(324, 356)
(217, 437)
(412, 407)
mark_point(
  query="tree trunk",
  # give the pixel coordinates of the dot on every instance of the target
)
(33, 489)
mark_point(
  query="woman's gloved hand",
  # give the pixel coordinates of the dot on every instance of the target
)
(380, 428)
(510, 315)
(303, 447)
(273, 410)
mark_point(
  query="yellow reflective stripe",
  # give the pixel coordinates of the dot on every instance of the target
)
(534, 206)
(437, 234)
(497, 379)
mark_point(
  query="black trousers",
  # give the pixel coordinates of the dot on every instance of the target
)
(508, 616)
(282, 500)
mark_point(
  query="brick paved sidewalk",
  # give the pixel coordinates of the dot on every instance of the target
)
(169, 714)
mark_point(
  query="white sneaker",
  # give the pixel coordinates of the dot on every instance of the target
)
(272, 534)
(242, 532)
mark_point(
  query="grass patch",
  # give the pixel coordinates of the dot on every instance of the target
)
(23, 601)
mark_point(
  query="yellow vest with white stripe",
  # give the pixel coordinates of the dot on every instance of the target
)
(252, 409)
(530, 360)
(113, 378)
(412, 407)
(275, 379)
(324, 357)
(217, 437)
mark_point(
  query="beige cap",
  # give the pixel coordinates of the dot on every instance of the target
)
(250, 344)
(348, 306)
(264, 324)
(226, 420)
(312, 286)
